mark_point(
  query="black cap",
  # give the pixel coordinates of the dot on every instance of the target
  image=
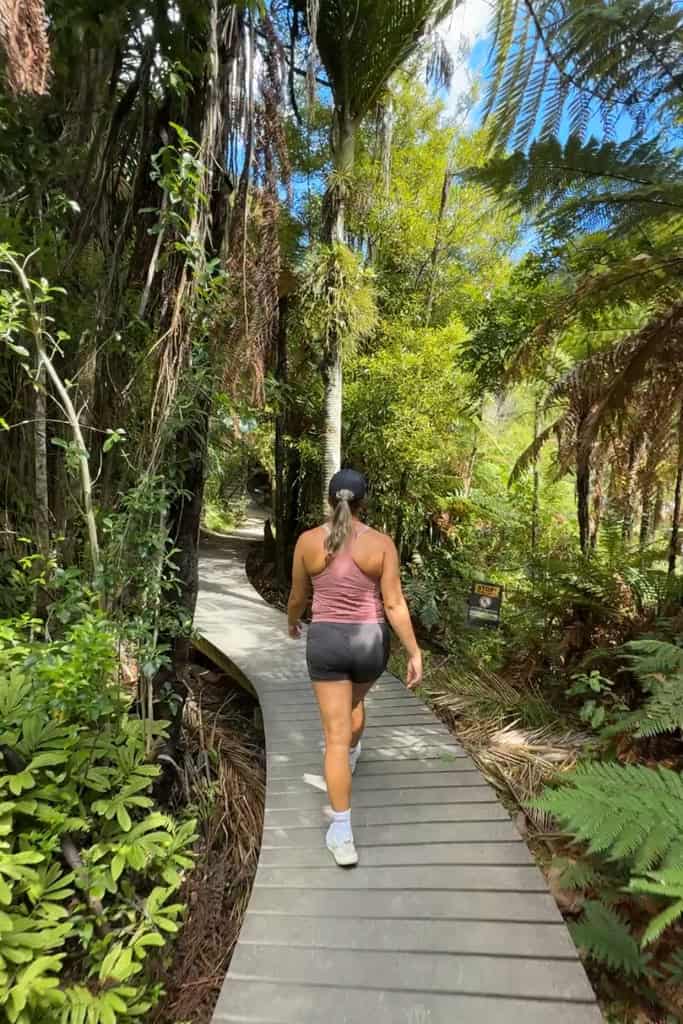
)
(348, 480)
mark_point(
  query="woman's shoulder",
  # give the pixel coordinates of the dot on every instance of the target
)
(376, 537)
(313, 536)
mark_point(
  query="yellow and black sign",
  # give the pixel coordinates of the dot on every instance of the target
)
(483, 604)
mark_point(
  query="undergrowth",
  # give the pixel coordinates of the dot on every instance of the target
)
(90, 870)
(223, 773)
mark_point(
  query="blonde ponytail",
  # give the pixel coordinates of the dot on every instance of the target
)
(340, 523)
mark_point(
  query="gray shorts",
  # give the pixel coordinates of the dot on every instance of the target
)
(339, 651)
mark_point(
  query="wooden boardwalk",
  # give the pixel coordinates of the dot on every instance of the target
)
(445, 921)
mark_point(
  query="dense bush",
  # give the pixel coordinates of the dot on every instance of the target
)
(88, 868)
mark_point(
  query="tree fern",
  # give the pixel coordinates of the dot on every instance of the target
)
(591, 56)
(607, 939)
(624, 812)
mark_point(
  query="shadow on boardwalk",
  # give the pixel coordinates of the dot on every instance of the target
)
(446, 921)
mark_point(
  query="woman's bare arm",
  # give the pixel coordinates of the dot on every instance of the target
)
(397, 612)
(300, 592)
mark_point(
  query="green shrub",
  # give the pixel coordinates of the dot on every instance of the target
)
(88, 868)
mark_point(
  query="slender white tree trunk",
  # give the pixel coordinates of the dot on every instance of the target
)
(42, 514)
(68, 407)
(343, 151)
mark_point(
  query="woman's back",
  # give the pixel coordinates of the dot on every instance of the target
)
(346, 586)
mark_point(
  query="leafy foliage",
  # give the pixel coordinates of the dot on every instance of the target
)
(667, 885)
(337, 297)
(74, 787)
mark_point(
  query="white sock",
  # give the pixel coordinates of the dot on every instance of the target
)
(354, 754)
(340, 829)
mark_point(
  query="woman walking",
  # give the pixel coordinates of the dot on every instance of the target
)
(354, 574)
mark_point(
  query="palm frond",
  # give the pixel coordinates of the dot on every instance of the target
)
(362, 42)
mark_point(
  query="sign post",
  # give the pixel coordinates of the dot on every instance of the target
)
(483, 604)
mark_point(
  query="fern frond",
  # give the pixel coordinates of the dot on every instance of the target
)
(533, 451)
(673, 967)
(576, 874)
(621, 811)
(608, 59)
(663, 712)
(650, 657)
(608, 939)
(667, 885)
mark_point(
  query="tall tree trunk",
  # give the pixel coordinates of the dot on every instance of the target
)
(468, 475)
(598, 501)
(281, 375)
(676, 514)
(627, 524)
(64, 397)
(535, 482)
(657, 509)
(436, 248)
(400, 514)
(582, 500)
(648, 497)
(343, 152)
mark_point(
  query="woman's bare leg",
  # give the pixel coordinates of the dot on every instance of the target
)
(358, 711)
(335, 701)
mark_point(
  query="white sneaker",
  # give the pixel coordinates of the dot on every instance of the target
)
(353, 757)
(345, 854)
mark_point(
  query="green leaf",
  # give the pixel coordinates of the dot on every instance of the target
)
(123, 818)
(117, 865)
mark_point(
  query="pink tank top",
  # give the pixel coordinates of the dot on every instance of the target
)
(344, 593)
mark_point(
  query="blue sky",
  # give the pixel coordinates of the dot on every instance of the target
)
(469, 26)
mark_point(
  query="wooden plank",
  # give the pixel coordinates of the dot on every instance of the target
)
(455, 780)
(308, 799)
(416, 853)
(434, 906)
(523, 977)
(301, 1004)
(387, 835)
(454, 878)
(375, 733)
(413, 814)
(493, 938)
(371, 772)
(303, 754)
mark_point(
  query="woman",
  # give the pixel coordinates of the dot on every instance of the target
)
(354, 572)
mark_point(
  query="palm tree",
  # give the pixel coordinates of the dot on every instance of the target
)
(360, 43)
